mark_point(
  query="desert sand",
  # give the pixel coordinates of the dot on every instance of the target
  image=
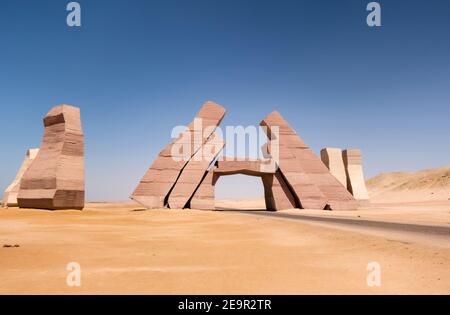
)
(420, 186)
(124, 249)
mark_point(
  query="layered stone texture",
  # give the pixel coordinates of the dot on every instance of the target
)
(10, 194)
(185, 172)
(194, 172)
(355, 175)
(249, 167)
(284, 141)
(333, 160)
(156, 186)
(347, 167)
(204, 196)
(277, 194)
(309, 180)
(55, 179)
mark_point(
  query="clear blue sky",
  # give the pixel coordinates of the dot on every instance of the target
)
(138, 68)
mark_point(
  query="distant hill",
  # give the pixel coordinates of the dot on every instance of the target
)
(424, 185)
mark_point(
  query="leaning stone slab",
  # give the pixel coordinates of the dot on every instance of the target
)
(193, 173)
(154, 188)
(55, 179)
(10, 195)
(355, 175)
(332, 158)
(204, 196)
(277, 193)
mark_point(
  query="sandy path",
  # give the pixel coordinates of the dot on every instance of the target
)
(123, 250)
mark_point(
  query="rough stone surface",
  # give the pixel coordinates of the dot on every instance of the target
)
(333, 160)
(355, 175)
(194, 172)
(154, 188)
(276, 193)
(55, 179)
(204, 196)
(293, 177)
(309, 180)
(10, 195)
(247, 167)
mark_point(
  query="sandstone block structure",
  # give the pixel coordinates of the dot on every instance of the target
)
(10, 194)
(250, 167)
(309, 180)
(298, 178)
(194, 172)
(355, 175)
(332, 158)
(55, 179)
(155, 187)
(204, 196)
(347, 165)
(276, 191)
(277, 194)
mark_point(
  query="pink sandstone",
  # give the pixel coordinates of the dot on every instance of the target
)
(204, 196)
(194, 172)
(154, 188)
(309, 180)
(55, 179)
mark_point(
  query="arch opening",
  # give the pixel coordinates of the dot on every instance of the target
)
(239, 192)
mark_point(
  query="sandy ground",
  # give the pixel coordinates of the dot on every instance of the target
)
(123, 249)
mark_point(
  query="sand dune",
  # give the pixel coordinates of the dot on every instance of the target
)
(424, 185)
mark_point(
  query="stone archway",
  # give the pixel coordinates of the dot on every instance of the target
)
(299, 178)
(277, 194)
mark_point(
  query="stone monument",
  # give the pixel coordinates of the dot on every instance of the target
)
(55, 179)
